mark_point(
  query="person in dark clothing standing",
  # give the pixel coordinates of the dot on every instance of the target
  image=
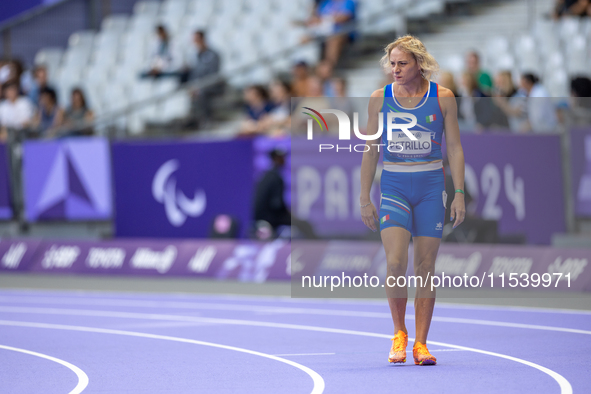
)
(268, 199)
(206, 63)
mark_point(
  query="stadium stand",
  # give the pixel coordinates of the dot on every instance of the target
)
(257, 40)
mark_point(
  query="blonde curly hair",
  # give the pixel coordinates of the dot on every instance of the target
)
(414, 46)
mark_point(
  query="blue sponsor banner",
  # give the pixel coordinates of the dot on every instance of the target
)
(176, 189)
(5, 207)
(68, 179)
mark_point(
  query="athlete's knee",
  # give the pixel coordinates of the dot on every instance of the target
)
(425, 265)
(396, 265)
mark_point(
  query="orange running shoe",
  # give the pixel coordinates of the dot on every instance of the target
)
(422, 356)
(398, 351)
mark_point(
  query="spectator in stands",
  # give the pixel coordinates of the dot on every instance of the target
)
(331, 20)
(324, 72)
(299, 82)
(511, 101)
(16, 111)
(4, 71)
(315, 100)
(40, 82)
(572, 8)
(257, 106)
(161, 58)
(76, 117)
(483, 79)
(580, 87)
(205, 63)
(540, 108)
(11, 70)
(340, 100)
(470, 93)
(278, 121)
(314, 87)
(580, 102)
(49, 115)
(446, 79)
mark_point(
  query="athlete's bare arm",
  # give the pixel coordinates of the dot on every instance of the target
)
(370, 160)
(455, 153)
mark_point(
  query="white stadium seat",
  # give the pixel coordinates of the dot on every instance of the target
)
(557, 83)
(577, 55)
(175, 107)
(504, 61)
(568, 27)
(453, 63)
(201, 8)
(146, 8)
(83, 38)
(165, 86)
(51, 58)
(115, 23)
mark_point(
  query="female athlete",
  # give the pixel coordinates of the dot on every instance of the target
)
(413, 181)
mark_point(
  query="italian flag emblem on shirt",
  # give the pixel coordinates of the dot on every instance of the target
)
(430, 118)
(383, 220)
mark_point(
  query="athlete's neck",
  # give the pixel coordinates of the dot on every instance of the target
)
(414, 88)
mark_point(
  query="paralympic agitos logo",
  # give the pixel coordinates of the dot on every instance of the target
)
(408, 121)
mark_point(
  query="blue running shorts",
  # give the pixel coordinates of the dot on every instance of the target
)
(414, 201)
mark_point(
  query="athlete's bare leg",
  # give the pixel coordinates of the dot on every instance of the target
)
(396, 241)
(425, 253)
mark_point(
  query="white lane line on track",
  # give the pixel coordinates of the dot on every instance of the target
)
(305, 354)
(316, 378)
(82, 377)
(83, 298)
(565, 387)
(287, 310)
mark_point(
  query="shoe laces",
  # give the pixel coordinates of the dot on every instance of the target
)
(399, 342)
(421, 349)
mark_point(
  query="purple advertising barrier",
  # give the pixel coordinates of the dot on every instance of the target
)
(5, 207)
(580, 156)
(517, 180)
(257, 262)
(222, 259)
(563, 269)
(67, 179)
(498, 267)
(326, 187)
(176, 189)
(551, 264)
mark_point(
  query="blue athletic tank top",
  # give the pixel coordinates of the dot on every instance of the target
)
(428, 129)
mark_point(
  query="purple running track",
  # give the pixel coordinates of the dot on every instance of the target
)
(176, 343)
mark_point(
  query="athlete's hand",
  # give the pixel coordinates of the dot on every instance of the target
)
(369, 215)
(458, 209)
